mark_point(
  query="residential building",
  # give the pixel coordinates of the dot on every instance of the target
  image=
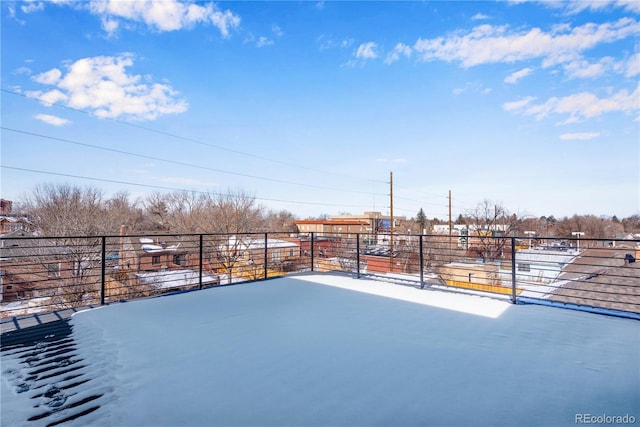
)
(245, 256)
(341, 228)
(32, 267)
(5, 207)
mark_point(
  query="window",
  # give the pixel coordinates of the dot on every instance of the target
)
(53, 269)
(155, 259)
(180, 259)
(524, 267)
(275, 256)
(291, 252)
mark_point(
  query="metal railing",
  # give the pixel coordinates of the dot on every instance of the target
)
(43, 274)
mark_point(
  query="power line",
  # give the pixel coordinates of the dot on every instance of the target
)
(187, 139)
(158, 187)
(175, 162)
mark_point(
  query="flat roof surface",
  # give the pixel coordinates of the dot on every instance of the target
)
(325, 350)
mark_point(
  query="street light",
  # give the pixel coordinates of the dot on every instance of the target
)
(530, 233)
(578, 234)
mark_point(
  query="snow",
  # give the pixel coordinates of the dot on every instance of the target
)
(327, 350)
(175, 279)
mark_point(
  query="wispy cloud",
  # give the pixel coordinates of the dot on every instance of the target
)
(576, 6)
(24, 71)
(263, 41)
(579, 136)
(400, 49)
(518, 105)
(578, 107)
(102, 86)
(367, 51)
(517, 75)
(30, 6)
(479, 17)
(159, 15)
(52, 120)
(276, 30)
(473, 87)
(488, 44)
(329, 42)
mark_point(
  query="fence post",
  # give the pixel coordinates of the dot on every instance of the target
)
(312, 245)
(421, 264)
(266, 258)
(201, 258)
(103, 272)
(514, 296)
(358, 255)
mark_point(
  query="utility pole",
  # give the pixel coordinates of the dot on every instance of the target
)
(391, 222)
(450, 223)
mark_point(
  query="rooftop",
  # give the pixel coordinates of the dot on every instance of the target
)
(328, 350)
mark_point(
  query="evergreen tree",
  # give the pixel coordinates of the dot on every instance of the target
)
(421, 219)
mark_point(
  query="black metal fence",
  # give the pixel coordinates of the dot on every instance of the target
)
(42, 274)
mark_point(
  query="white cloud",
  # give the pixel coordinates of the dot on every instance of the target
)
(487, 44)
(367, 51)
(328, 42)
(225, 21)
(101, 85)
(577, 6)
(263, 41)
(479, 17)
(110, 26)
(517, 75)
(632, 67)
(31, 6)
(584, 70)
(276, 30)
(579, 107)
(52, 120)
(473, 87)
(579, 136)
(517, 105)
(48, 98)
(399, 49)
(162, 15)
(23, 71)
(50, 77)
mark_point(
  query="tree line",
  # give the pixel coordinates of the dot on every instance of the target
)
(69, 210)
(64, 210)
(490, 215)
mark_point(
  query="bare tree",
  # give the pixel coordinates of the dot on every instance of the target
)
(490, 225)
(280, 221)
(237, 212)
(120, 210)
(72, 217)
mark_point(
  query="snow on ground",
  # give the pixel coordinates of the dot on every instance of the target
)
(323, 350)
(22, 308)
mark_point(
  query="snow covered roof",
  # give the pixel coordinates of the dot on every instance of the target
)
(546, 256)
(249, 243)
(327, 350)
(174, 278)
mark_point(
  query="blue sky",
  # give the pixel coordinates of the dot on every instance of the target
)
(309, 105)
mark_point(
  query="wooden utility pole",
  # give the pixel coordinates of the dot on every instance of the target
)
(391, 221)
(450, 223)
